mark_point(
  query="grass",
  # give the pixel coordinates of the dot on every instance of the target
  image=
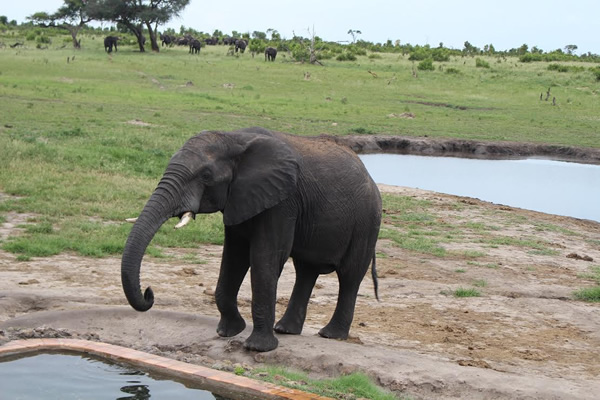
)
(591, 294)
(462, 292)
(349, 387)
(588, 294)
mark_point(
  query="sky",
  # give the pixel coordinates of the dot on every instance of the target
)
(548, 24)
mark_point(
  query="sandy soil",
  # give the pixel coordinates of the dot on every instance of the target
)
(525, 337)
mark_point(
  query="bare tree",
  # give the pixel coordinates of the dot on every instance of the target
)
(353, 33)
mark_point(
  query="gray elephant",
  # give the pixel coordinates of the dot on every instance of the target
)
(281, 196)
(195, 46)
(240, 45)
(109, 42)
(270, 53)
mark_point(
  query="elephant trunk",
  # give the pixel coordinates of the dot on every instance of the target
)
(162, 205)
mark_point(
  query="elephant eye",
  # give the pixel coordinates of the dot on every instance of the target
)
(206, 174)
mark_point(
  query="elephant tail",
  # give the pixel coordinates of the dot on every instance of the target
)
(374, 276)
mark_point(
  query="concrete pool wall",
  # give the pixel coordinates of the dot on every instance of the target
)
(219, 382)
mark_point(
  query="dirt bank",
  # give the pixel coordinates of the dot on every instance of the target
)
(467, 148)
(525, 336)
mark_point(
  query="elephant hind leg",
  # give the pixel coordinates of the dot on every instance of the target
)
(295, 314)
(350, 275)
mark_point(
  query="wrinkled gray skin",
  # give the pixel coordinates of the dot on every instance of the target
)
(281, 196)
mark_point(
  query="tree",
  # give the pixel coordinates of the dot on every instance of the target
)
(72, 16)
(274, 34)
(138, 13)
(353, 33)
(259, 35)
(570, 48)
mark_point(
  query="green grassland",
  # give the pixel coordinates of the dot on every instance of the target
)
(85, 135)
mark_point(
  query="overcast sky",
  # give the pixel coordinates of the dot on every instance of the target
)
(547, 24)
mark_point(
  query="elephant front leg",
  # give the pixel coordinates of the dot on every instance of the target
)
(264, 295)
(234, 266)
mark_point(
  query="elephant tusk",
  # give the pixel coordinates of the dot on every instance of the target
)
(131, 220)
(185, 219)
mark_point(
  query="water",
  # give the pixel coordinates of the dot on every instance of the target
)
(552, 187)
(66, 377)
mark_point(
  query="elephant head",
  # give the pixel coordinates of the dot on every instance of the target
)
(239, 173)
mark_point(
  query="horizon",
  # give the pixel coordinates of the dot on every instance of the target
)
(507, 26)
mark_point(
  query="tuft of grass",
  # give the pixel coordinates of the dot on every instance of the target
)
(353, 386)
(462, 292)
(588, 294)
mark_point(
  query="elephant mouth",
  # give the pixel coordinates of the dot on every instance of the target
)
(186, 217)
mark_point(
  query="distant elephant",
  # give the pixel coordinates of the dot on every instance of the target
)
(240, 45)
(109, 42)
(270, 53)
(281, 196)
(167, 40)
(195, 46)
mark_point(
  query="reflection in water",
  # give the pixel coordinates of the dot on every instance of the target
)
(137, 392)
(542, 185)
(59, 376)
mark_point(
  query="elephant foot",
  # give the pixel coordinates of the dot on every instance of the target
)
(231, 327)
(333, 333)
(288, 328)
(261, 342)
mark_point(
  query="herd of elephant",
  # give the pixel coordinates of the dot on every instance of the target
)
(194, 44)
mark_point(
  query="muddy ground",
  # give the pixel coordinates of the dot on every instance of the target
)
(524, 337)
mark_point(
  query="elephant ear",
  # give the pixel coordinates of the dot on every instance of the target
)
(266, 174)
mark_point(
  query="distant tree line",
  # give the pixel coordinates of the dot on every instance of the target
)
(143, 17)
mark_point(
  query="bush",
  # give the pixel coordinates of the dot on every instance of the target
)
(346, 57)
(43, 40)
(452, 71)
(479, 63)
(426, 65)
(596, 72)
(565, 68)
(441, 55)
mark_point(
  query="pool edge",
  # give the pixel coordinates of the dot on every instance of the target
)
(220, 382)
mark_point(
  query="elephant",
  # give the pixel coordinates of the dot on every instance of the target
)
(281, 196)
(195, 46)
(167, 40)
(270, 53)
(109, 42)
(240, 45)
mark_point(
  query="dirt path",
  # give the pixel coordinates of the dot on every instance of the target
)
(524, 337)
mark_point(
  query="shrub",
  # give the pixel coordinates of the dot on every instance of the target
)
(596, 72)
(426, 65)
(419, 54)
(346, 57)
(43, 39)
(441, 55)
(452, 70)
(479, 63)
